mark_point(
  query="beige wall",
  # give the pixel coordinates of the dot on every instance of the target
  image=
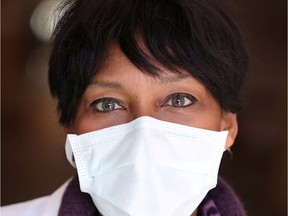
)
(32, 153)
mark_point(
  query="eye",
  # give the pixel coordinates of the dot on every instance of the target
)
(181, 100)
(106, 105)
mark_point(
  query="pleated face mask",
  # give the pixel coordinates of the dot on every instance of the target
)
(147, 167)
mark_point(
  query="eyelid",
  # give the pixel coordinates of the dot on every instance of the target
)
(187, 95)
(97, 101)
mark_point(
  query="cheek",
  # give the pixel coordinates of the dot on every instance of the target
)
(90, 121)
(85, 122)
(199, 120)
(209, 122)
(84, 125)
(199, 116)
(211, 118)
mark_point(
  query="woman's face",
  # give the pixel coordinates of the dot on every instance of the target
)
(120, 93)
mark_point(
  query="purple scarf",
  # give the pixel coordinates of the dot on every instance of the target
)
(220, 201)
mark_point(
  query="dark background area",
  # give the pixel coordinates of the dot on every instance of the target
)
(33, 160)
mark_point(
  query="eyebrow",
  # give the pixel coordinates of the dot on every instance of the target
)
(106, 84)
(116, 85)
(173, 79)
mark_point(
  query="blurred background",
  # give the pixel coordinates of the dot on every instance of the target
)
(33, 161)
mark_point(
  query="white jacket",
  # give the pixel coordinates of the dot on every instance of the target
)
(43, 206)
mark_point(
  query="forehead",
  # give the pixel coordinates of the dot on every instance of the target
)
(120, 74)
(117, 63)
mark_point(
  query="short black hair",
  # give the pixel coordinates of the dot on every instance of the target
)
(198, 36)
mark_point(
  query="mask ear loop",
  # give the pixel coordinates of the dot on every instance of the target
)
(68, 149)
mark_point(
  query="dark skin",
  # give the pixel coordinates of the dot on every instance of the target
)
(120, 93)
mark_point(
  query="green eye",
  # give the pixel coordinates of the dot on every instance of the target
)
(106, 105)
(181, 100)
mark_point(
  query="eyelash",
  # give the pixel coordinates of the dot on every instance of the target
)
(97, 102)
(96, 105)
(191, 100)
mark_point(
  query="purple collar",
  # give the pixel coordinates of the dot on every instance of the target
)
(220, 201)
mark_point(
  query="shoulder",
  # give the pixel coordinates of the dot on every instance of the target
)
(24, 208)
(43, 206)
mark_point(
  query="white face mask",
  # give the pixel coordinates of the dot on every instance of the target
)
(147, 167)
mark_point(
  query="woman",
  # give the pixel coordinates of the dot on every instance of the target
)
(148, 92)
